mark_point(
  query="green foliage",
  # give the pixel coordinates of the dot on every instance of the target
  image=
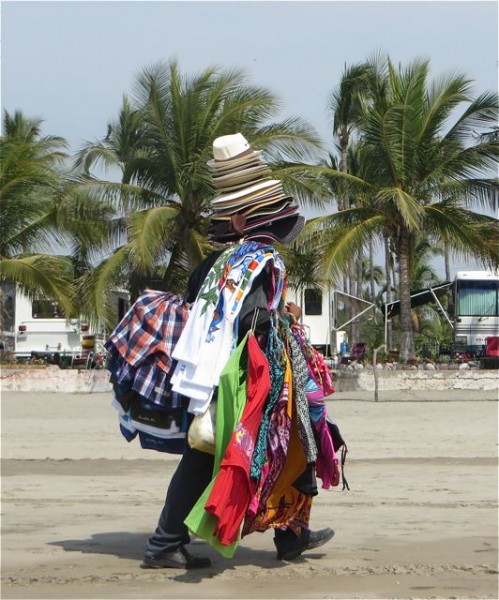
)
(421, 171)
(161, 142)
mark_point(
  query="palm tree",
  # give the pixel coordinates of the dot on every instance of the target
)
(424, 173)
(45, 217)
(161, 143)
(345, 104)
(29, 177)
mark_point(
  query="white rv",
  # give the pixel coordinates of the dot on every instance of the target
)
(319, 315)
(38, 327)
(476, 308)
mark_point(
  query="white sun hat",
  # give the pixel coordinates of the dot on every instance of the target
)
(232, 150)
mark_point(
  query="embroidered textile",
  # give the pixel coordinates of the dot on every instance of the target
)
(208, 337)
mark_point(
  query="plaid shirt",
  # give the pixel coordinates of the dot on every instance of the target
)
(140, 347)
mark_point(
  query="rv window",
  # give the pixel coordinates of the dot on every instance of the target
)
(46, 309)
(313, 302)
(478, 298)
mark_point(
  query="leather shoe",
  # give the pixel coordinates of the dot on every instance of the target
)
(180, 559)
(308, 540)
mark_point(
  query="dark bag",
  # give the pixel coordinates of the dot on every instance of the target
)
(339, 444)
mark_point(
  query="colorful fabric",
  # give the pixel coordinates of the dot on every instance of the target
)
(231, 398)
(319, 385)
(140, 348)
(209, 335)
(151, 326)
(286, 507)
(233, 488)
(277, 447)
(276, 356)
(300, 375)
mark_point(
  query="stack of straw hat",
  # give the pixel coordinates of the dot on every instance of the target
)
(250, 203)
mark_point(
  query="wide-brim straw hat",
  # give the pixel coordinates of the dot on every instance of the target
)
(241, 178)
(252, 194)
(265, 207)
(283, 230)
(231, 151)
(250, 203)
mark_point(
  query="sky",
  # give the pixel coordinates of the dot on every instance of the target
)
(70, 63)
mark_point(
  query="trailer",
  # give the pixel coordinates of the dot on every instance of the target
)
(38, 328)
(321, 306)
(474, 309)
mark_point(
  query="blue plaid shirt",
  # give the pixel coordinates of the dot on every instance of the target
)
(140, 347)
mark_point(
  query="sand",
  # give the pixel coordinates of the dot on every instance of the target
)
(420, 520)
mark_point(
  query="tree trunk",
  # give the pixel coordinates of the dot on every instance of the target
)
(389, 333)
(351, 311)
(358, 292)
(371, 271)
(406, 331)
(447, 261)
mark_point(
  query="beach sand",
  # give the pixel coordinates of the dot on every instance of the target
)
(420, 520)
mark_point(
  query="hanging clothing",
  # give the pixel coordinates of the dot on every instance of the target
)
(300, 375)
(277, 360)
(233, 487)
(231, 399)
(209, 334)
(286, 507)
(319, 385)
(279, 433)
(141, 347)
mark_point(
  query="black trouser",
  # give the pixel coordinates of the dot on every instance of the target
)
(193, 474)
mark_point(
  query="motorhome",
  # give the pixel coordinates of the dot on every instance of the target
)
(38, 327)
(475, 311)
(321, 308)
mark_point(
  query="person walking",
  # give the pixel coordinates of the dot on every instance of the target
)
(266, 446)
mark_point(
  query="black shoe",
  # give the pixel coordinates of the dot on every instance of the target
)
(308, 540)
(180, 559)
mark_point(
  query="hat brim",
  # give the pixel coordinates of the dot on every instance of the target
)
(283, 230)
(241, 179)
(247, 192)
(244, 205)
(230, 163)
(260, 220)
(266, 207)
(239, 174)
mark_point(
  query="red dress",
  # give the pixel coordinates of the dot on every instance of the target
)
(233, 488)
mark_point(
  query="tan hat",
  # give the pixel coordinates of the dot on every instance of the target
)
(249, 203)
(241, 176)
(268, 206)
(232, 150)
(250, 191)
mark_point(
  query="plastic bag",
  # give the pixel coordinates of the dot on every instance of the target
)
(201, 434)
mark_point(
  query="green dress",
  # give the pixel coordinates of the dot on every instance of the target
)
(230, 405)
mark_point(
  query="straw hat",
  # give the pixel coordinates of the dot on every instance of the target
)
(230, 151)
(283, 230)
(249, 203)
